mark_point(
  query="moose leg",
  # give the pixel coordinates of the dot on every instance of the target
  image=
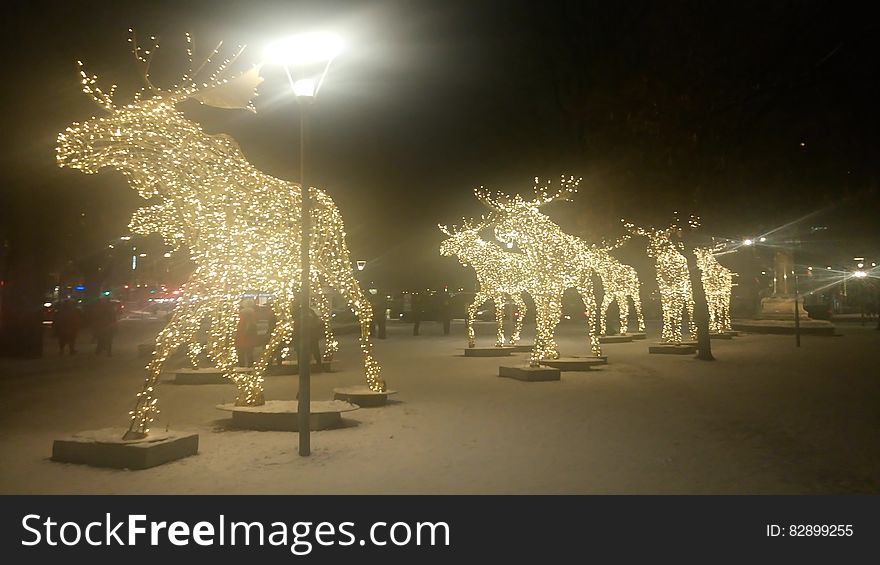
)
(539, 351)
(637, 304)
(668, 333)
(623, 306)
(519, 317)
(607, 299)
(281, 334)
(589, 300)
(548, 309)
(499, 319)
(340, 278)
(480, 298)
(184, 321)
(323, 306)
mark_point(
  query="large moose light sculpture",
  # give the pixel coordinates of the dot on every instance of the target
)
(241, 225)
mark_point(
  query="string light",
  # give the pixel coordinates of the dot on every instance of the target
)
(500, 274)
(559, 261)
(239, 224)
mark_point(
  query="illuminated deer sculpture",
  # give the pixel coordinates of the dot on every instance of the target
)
(241, 225)
(499, 275)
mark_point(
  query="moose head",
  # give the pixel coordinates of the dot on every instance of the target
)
(662, 240)
(137, 138)
(463, 241)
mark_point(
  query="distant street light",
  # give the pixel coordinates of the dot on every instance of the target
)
(306, 59)
(748, 242)
(361, 265)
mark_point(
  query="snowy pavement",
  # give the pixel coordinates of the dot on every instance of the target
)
(764, 418)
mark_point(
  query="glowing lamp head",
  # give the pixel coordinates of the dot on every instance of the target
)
(305, 87)
(860, 274)
(304, 49)
(748, 242)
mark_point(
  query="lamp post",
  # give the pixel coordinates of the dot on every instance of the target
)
(306, 59)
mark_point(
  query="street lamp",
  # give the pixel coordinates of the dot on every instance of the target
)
(306, 59)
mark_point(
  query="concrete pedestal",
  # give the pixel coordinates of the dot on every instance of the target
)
(807, 327)
(638, 335)
(721, 336)
(281, 415)
(672, 349)
(733, 333)
(781, 308)
(488, 351)
(292, 368)
(615, 339)
(362, 395)
(530, 374)
(523, 348)
(205, 376)
(106, 448)
(575, 363)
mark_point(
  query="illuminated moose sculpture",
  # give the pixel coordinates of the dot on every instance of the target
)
(241, 225)
(672, 279)
(718, 284)
(559, 261)
(499, 275)
(620, 283)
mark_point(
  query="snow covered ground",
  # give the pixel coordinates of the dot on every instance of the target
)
(764, 418)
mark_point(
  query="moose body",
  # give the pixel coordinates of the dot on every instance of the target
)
(242, 228)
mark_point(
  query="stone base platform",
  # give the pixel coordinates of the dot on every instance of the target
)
(522, 348)
(615, 338)
(808, 327)
(720, 336)
(362, 395)
(575, 363)
(672, 349)
(281, 415)
(638, 335)
(488, 351)
(530, 374)
(205, 376)
(106, 448)
(292, 368)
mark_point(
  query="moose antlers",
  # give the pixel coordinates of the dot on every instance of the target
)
(500, 201)
(216, 90)
(466, 225)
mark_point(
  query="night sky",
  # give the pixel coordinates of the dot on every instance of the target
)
(750, 114)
